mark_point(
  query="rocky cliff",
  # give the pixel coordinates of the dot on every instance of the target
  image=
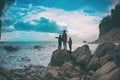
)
(110, 26)
(82, 65)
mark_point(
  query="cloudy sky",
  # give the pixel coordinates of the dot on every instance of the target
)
(42, 20)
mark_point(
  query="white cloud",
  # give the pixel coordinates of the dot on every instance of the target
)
(11, 27)
(28, 36)
(79, 24)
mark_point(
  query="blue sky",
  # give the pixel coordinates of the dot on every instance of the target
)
(69, 5)
(39, 18)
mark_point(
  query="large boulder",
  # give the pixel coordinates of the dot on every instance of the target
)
(61, 67)
(70, 70)
(31, 72)
(108, 52)
(53, 73)
(105, 48)
(66, 72)
(27, 73)
(109, 71)
(117, 55)
(82, 55)
(93, 64)
(103, 60)
(59, 57)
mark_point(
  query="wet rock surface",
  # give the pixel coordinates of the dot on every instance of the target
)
(37, 47)
(10, 48)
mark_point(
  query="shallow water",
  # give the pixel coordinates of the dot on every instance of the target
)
(30, 53)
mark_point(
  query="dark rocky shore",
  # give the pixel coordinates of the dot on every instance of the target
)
(77, 65)
(26, 73)
(82, 65)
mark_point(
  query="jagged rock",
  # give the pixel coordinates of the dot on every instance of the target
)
(59, 57)
(66, 72)
(79, 65)
(70, 70)
(108, 52)
(93, 63)
(37, 47)
(61, 73)
(82, 55)
(103, 60)
(104, 48)
(27, 73)
(67, 65)
(61, 67)
(53, 73)
(76, 78)
(11, 48)
(90, 73)
(109, 71)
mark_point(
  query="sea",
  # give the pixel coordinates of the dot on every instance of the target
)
(14, 55)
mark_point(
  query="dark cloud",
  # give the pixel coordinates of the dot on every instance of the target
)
(42, 25)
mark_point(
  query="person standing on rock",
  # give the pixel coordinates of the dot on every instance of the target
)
(64, 39)
(70, 44)
(59, 41)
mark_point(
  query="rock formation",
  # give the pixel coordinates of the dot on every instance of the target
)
(109, 57)
(27, 73)
(110, 26)
(109, 71)
(81, 65)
